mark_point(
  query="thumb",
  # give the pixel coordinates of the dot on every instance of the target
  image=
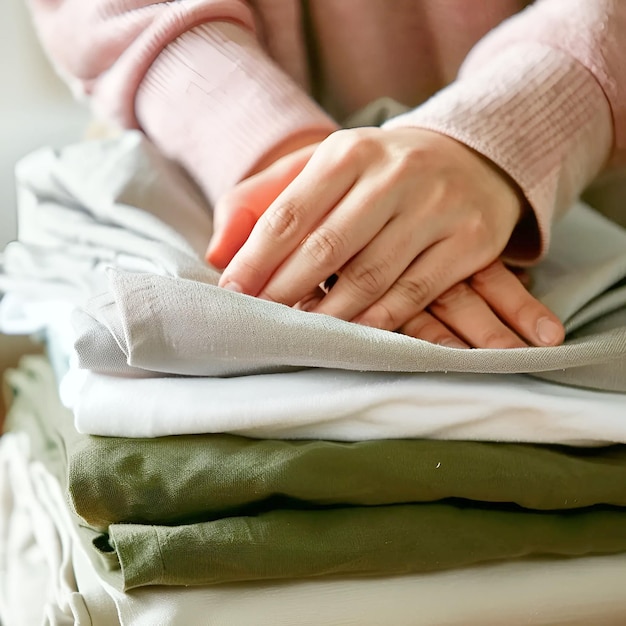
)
(237, 212)
(231, 227)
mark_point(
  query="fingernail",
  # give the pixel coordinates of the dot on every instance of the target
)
(308, 305)
(232, 286)
(453, 343)
(549, 332)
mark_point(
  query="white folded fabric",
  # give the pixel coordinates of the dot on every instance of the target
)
(49, 556)
(571, 592)
(111, 195)
(38, 551)
(348, 406)
(98, 204)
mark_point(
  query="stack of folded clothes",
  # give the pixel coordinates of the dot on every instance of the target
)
(191, 455)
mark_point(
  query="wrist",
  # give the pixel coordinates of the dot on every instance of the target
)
(287, 146)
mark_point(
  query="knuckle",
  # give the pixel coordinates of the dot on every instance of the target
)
(417, 291)
(411, 162)
(476, 230)
(499, 339)
(370, 279)
(342, 135)
(356, 143)
(493, 272)
(453, 297)
(325, 246)
(475, 224)
(381, 316)
(283, 221)
(406, 167)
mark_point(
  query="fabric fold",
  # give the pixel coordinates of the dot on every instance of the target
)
(228, 334)
(394, 540)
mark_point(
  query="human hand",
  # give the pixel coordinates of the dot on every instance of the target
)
(491, 309)
(405, 215)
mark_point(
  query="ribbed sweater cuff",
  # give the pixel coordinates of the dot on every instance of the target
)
(541, 117)
(214, 102)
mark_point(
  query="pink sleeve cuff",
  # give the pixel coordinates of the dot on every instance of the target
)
(541, 117)
(105, 47)
(214, 102)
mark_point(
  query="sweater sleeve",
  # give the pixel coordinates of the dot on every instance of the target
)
(190, 73)
(543, 96)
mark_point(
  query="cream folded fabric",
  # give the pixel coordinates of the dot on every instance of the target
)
(577, 592)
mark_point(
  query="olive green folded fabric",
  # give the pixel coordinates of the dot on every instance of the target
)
(364, 541)
(218, 508)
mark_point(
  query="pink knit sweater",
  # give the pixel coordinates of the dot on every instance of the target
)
(217, 84)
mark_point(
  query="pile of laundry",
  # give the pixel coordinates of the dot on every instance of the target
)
(186, 454)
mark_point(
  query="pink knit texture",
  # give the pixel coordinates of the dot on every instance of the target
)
(218, 83)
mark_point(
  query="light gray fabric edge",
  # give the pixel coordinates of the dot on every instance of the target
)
(228, 334)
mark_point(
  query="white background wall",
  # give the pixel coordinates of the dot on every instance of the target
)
(35, 107)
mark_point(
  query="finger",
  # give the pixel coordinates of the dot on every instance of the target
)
(516, 307)
(263, 188)
(237, 212)
(369, 274)
(425, 326)
(357, 220)
(468, 315)
(279, 231)
(234, 229)
(310, 301)
(436, 270)
(522, 275)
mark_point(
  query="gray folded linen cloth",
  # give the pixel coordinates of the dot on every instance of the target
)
(138, 212)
